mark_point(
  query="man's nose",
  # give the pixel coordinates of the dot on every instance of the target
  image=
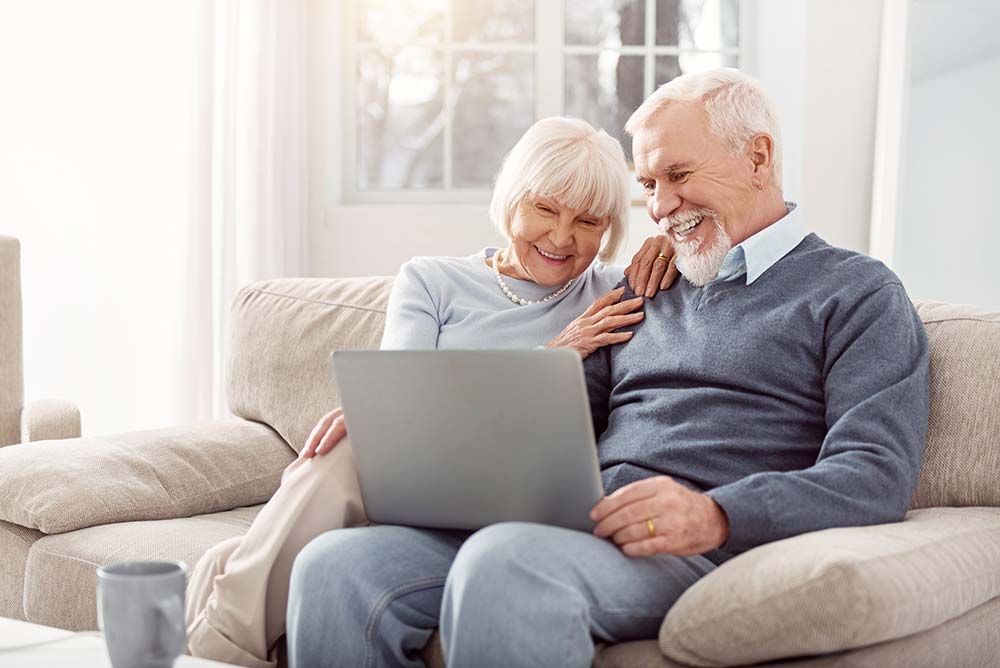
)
(664, 201)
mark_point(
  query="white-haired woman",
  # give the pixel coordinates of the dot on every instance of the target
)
(561, 200)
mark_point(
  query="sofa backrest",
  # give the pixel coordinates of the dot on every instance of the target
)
(962, 460)
(282, 334)
(284, 331)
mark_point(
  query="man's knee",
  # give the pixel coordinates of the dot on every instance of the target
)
(492, 556)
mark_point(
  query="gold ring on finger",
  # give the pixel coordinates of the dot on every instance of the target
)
(663, 257)
(652, 529)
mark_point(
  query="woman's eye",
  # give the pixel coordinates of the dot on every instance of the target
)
(589, 223)
(543, 208)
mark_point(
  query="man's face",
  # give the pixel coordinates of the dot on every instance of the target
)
(698, 193)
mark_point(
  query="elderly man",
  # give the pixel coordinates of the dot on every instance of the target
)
(782, 388)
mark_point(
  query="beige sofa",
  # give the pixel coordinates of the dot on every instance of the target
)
(925, 592)
(42, 419)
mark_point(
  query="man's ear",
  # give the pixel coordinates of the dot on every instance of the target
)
(761, 152)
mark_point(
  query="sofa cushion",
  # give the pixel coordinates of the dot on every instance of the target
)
(15, 543)
(61, 579)
(961, 465)
(282, 334)
(64, 485)
(838, 589)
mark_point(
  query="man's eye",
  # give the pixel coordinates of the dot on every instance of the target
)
(678, 176)
(648, 186)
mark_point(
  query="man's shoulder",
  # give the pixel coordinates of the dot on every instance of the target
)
(832, 268)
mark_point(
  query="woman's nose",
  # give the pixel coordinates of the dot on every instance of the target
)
(561, 236)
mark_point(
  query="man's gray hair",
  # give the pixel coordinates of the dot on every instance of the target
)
(735, 103)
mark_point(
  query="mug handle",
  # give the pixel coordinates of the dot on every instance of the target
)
(173, 614)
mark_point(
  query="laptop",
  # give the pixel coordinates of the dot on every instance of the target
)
(461, 439)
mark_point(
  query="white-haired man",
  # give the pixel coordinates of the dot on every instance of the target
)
(782, 388)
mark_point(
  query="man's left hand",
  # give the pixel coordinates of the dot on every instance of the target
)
(684, 522)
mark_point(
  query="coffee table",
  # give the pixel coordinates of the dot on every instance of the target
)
(78, 652)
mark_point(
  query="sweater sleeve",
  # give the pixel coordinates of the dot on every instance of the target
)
(597, 373)
(877, 395)
(412, 321)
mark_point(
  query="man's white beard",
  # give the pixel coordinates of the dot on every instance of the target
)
(701, 267)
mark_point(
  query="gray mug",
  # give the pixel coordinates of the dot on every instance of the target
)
(140, 608)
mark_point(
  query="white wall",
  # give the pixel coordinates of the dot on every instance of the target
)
(819, 61)
(948, 229)
(93, 179)
(841, 91)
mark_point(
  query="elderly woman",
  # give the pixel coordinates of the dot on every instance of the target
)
(561, 200)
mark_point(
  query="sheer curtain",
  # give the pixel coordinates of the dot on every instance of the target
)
(249, 199)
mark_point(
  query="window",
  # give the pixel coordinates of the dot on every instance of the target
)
(437, 91)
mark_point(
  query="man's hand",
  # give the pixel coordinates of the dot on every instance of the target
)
(684, 522)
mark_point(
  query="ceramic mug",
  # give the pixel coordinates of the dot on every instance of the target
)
(140, 609)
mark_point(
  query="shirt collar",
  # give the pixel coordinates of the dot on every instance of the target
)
(759, 252)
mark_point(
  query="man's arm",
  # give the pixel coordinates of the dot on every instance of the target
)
(597, 373)
(877, 401)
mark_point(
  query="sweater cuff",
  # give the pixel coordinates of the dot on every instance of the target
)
(746, 511)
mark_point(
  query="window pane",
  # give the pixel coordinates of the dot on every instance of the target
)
(494, 105)
(668, 67)
(698, 24)
(491, 21)
(605, 22)
(400, 112)
(604, 89)
(401, 21)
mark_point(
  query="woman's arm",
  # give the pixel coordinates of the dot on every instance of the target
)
(412, 321)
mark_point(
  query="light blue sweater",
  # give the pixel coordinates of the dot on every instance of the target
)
(455, 302)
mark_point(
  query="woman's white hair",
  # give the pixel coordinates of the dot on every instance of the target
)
(735, 103)
(574, 164)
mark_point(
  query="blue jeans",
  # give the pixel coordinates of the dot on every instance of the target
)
(512, 594)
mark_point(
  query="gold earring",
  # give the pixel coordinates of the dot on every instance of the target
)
(760, 186)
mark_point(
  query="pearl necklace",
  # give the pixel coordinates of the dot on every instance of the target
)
(520, 300)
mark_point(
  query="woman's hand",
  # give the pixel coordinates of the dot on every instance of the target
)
(649, 272)
(594, 328)
(326, 434)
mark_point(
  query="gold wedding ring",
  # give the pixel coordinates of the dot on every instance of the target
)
(663, 257)
(652, 529)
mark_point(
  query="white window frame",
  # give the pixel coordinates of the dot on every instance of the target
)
(549, 50)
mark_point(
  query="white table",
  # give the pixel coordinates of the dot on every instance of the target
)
(79, 652)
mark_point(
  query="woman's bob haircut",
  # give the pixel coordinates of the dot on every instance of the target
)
(577, 166)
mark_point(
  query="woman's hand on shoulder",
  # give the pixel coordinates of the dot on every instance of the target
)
(330, 429)
(595, 327)
(649, 272)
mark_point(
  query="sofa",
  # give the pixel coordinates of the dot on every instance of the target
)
(923, 592)
(42, 419)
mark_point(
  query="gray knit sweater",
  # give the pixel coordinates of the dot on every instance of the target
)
(798, 402)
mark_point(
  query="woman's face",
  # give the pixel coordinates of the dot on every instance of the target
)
(551, 243)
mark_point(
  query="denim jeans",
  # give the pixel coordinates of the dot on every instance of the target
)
(512, 594)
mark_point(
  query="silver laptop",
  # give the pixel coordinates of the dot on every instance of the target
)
(463, 439)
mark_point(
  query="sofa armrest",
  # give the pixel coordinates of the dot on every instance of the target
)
(62, 485)
(49, 419)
